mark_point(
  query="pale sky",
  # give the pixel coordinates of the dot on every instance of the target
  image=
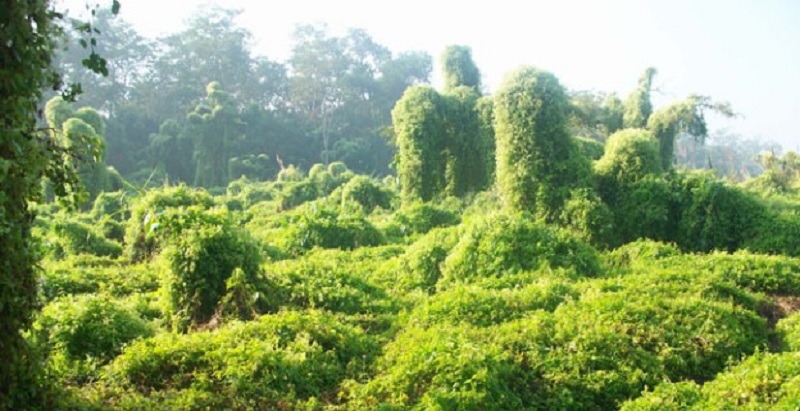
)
(743, 52)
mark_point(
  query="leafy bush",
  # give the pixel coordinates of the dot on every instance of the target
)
(88, 327)
(113, 205)
(275, 361)
(420, 265)
(587, 215)
(789, 329)
(74, 237)
(322, 280)
(715, 215)
(420, 218)
(203, 250)
(367, 194)
(316, 225)
(763, 381)
(504, 244)
(142, 234)
(88, 274)
(296, 193)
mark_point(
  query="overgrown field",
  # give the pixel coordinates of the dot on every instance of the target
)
(323, 292)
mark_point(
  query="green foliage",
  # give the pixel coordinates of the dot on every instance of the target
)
(459, 69)
(74, 237)
(629, 156)
(315, 225)
(87, 274)
(419, 218)
(276, 361)
(467, 142)
(592, 219)
(637, 105)
(789, 330)
(537, 162)
(685, 116)
(504, 244)
(216, 124)
(366, 194)
(419, 127)
(589, 148)
(73, 331)
(290, 174)
(763, 381)
(142, 235)
(715, 215)
(329, 280)
(57, 111)
(421, 263)
(113, 205)
(203, 251)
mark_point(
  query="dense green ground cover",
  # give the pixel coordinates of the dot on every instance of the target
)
(180, 299)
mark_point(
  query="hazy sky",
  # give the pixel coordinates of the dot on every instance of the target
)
(743, 52)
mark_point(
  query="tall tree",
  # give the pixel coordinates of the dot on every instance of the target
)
(536, 158)
(419, 128)
(27, 153)
(638, 106)
(685, 116)
(459, 69)
(217, 123)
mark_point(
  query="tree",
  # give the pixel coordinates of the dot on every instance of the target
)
(537, 162)
(217, 124)
(685, 116)
(458, 69)
(418, 126)
(638, 106)
(27, 153)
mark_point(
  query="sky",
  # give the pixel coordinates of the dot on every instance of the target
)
(744, 52)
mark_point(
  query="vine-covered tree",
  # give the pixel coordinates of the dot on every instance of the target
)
(458, 69)
(217, 124)
(685, 116)
(27, 153)
(419, 127)
(537, 162)
(638, 106)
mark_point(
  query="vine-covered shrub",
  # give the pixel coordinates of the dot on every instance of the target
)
(276, 361)
(508, 243)
(203, 250)
(73, 237)
(715, 215)
(86, 274)
(315, 225)
(142, 234)
(789, 330)
(609, 346)
(420, 265)
(366, 194)
(762, 381)
(113, 205)
(322, 280)
(420, 218)
(74, 330)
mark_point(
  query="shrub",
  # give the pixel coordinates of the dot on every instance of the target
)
(113, 205)
(74, 237)
(297, 193)
(290, 174)
(420, 265)
(275, 361)
(85, 275)
(72, 330)
(789, 330)
(420, 218)
(142, 234)
(319, 226)
(504, 244)
(204, 249)
(367, 194)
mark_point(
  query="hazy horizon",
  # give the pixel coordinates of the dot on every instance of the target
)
(740, 52)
